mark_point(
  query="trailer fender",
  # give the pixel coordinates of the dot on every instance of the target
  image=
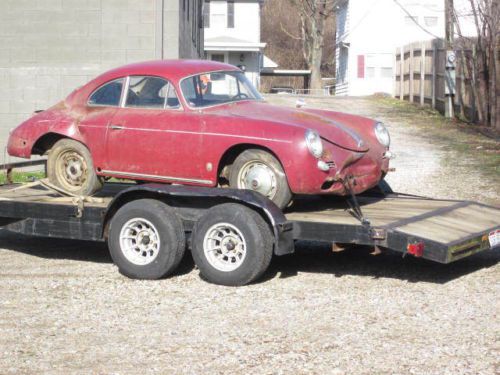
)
(281, 227)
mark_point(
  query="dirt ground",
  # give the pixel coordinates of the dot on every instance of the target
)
(64, 308)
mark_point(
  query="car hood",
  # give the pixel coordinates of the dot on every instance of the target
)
(340, 133)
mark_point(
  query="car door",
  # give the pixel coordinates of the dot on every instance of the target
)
(151, 137)
(99, 110)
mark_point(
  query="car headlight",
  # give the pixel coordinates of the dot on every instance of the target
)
(382, 134)
(314, 143)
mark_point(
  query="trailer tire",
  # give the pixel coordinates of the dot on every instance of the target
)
(146, 239)
(232, 245)
(70, 167)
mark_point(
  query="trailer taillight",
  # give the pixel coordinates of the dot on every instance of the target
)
(416, 249)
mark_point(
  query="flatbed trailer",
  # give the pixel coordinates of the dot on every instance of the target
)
(242, 228)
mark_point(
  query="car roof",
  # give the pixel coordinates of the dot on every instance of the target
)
(173, 69)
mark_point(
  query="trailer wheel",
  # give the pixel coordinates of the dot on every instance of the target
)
(146, 239)
(232, 245)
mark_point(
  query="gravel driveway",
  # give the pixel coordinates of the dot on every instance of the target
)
(65, 309)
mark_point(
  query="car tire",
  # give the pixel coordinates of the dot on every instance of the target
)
(273, 184)
(232, 245)
(70, 167)
(146, 239)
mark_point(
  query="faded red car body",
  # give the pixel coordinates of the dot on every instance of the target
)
(189, 145)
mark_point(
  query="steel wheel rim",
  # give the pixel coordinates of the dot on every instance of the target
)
(258, 176)
(139, 241)
(224, 247)
(71, 170)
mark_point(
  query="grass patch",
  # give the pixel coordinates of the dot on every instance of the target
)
(466, 140)
(20, 177)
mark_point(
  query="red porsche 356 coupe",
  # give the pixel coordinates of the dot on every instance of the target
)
(200, 123)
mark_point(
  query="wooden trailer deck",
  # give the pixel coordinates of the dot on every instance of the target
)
(450, 229)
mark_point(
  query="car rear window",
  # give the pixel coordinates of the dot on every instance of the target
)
(108, 94)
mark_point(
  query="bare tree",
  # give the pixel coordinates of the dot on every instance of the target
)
(282, 31)
(483, 67)
(314, 15)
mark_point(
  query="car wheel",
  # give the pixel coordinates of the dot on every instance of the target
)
(232, 245)
(146, 239)
(70, 167)
(260, 171)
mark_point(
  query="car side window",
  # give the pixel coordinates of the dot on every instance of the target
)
(188, 87)
(108, 94)
(151, 92)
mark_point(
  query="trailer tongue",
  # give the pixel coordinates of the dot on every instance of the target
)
(229, 229)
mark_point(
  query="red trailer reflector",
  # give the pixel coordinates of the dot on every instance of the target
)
(416, 249)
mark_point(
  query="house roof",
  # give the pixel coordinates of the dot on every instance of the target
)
(268, 63)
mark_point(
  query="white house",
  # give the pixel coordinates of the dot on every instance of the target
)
(232, 34)
(369, 31)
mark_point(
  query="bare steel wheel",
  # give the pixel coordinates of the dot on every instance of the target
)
(260, 171)
(224, 247)
(70, 167)
(139, 241)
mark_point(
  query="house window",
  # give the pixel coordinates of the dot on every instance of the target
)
(386, 72)
(230, 14)
(411, 20)
(206, 14)
(218, 14)
(431, 21)
(194, 22)
(217, 57)
(370, 72)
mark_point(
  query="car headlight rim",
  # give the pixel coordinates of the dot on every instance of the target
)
(314, 143)
(382, 134)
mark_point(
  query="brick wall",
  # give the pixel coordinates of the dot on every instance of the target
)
(50, 47)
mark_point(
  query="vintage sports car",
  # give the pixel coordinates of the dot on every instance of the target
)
(200, 123)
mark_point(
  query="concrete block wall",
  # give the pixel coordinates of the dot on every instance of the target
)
(50, 47)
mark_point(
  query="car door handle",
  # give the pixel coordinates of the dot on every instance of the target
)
(117, 127)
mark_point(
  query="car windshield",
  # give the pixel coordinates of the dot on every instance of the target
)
(218, 88)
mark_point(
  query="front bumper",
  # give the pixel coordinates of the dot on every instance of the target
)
(364, 170)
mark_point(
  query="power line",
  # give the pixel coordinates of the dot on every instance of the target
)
(351, 29)
(415, 21)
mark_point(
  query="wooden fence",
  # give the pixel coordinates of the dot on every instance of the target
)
(420, 77)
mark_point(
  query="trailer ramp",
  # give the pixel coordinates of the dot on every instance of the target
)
(443, 230)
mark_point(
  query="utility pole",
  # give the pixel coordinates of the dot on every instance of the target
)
(450, 80)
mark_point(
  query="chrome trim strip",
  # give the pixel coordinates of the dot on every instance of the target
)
(155, 177)
(202, 133)
(123, 98)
